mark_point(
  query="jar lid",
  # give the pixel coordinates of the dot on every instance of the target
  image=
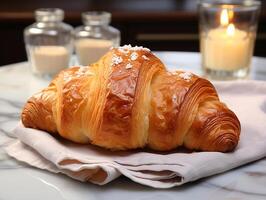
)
(49, 15)
(96, 18)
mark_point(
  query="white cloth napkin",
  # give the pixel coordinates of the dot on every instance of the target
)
(89, 163)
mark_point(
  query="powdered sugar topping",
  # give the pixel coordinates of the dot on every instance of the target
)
(174, 97)
(127, 48)
(77, 74)
(186, 75)
(145, 57)
(173, 72)
(129, 66)
(123, 50)
(67, 78)
(83, 71)
(116, 60)
(134, 56)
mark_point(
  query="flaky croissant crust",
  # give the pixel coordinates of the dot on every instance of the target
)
(129, 100)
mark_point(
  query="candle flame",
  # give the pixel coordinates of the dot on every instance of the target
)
(231, 15)
(230, 30)
(224, 18)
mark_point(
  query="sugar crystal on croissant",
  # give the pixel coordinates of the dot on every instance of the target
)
(129, 100)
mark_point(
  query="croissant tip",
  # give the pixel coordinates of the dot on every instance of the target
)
(25, 118)
(227, 145)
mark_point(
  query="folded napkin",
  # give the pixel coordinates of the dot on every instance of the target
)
(160, 170)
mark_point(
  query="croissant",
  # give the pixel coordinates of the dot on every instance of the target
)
(129, 100)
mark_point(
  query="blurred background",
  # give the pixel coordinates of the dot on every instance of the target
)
(168, 25)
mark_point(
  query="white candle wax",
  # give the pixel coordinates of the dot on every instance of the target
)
(91, 50)
(49, 59)
(225, 49)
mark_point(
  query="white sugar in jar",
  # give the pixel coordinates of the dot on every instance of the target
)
(90, 50)
(95, 37)
(49, 59)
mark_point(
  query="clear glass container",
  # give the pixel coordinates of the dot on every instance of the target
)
(227, 35)
(95, 37)
(48, 42)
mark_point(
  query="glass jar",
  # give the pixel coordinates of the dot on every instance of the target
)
(48, 42)
(95, 37)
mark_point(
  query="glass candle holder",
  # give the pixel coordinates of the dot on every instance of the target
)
(227, 36)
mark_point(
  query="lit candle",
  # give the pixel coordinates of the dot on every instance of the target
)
(226, 47)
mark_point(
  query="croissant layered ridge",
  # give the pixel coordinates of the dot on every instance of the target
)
(128, 100)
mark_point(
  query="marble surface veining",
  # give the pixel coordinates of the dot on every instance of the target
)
(17, 84)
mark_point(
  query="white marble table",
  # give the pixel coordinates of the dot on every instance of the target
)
(18, 181)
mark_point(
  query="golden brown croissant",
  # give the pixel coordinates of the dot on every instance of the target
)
(129, 100)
